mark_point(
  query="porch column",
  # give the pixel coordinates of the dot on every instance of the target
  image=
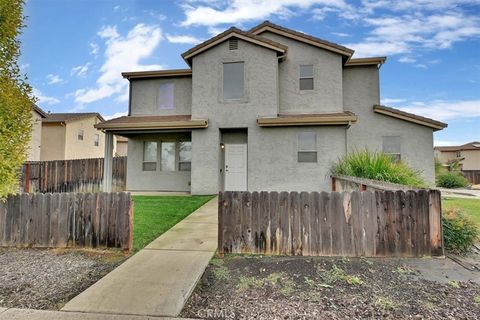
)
(108, 163)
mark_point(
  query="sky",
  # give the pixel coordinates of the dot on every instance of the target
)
(73, 51)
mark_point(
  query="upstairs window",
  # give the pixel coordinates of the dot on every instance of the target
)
(392, 147)
(80, 135)
(233, 81)
(307, 147)
(165, 96)
(306, 77)
(185, 156)
(96, 141)
(149, 156)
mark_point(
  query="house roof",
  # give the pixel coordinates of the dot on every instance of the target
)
(157, 74)
(475, 145)
(299, 36)
(39, 110)
(410, 117)
(325, 119)
(234, 33)
(136, 123)
(365, 61)
(65, 117)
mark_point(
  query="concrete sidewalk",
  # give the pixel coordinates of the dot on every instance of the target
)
(157, 280)
(30, 314)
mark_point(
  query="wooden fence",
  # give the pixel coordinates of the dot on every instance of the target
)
(79, 175)
(473, 176)
(67, 220)
(346, 224)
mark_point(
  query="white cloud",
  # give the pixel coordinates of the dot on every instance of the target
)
(94, 48)
(122, 53)
(24, 66)
(54, 79)
(421, 66)
(341, 34)
(407, 59)
(43, 99)
(378, 48)
(80, 71)
(445, 110)
(211, 13)
(116, 115)
(183, 39)
(445, 143)
(387, 101)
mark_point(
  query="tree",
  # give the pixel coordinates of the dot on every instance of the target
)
(16, 99)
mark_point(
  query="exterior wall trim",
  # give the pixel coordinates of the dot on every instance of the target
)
(435, 125)
(308, 120)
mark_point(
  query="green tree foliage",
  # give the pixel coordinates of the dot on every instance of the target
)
(16, 99)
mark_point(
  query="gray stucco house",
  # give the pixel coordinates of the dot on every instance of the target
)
(264, 109)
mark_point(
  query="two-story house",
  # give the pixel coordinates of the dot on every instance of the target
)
(266, 109)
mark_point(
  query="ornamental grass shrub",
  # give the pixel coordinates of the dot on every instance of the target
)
(377, 166)
(459, 231)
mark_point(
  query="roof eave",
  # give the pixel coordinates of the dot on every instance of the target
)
(307, 121)
(398, 114)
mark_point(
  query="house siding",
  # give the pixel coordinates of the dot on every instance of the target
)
(361, 92)
(35, 138)
(81, 149)
(53, 141)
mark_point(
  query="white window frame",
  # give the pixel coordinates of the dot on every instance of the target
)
(96, 140)
(301, 151)
(396, 156)
(80, 134)
(300, 77)
(149, 162)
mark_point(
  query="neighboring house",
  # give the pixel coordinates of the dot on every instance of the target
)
(468, 155)
(266, 109)
(71, 136)
(36, 135)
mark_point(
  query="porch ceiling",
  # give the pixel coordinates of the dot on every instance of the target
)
(149, 123)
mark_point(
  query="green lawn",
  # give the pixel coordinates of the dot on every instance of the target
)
(471, 207)
(156, 214)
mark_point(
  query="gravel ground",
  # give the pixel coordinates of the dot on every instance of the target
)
(47, 279)
(246, 287)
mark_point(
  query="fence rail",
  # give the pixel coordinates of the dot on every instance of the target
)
(79, 175)
(348, 224)
(67, 220)
(473, 176)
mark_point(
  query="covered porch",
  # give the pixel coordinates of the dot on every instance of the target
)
(159, 151)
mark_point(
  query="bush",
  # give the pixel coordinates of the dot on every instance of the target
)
(451, 180)
(459, 232)
(377, 166)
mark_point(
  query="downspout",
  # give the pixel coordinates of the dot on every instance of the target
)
(129, 98)
(346, 135)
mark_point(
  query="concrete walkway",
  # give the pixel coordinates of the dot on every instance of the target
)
(157, 280)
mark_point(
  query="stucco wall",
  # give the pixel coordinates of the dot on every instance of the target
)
(145, 96)
(361, 92)
(139, 180)
(261, 99)
(53, 142)
(327, 93)
(81, 149)
(35, 138)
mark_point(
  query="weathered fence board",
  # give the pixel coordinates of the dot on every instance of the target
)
(67, 220)
(473, 176)
(79, 175)
(389, 223)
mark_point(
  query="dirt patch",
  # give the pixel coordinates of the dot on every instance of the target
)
(47, 279)
(326, 288)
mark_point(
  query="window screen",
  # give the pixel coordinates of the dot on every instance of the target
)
(233, 80)
(306, 77)
(185, 156)
(149, 156)
(165, 96)
(168, 156)
(307, 147)
(392, 147)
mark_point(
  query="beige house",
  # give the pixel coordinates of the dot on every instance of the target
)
(36, 137)
(467, 154)
(71, 136)
(268, 109)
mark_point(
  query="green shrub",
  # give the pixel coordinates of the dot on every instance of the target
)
(459, 232)
(377, 166)
(451, 180)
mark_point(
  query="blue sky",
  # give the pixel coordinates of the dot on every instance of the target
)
(74, 51)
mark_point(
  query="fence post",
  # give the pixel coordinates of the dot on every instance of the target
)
(26, 179)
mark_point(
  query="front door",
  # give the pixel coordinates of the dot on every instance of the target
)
(235, 167)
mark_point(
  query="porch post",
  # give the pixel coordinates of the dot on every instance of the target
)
(108, 163)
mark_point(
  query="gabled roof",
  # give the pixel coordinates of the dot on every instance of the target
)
(475, 145)
(39, 110)
(139, 123)
(410, 117)
(302, 37)
(157, 74)
(65, 117)
(234, 33)
(372, 61)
